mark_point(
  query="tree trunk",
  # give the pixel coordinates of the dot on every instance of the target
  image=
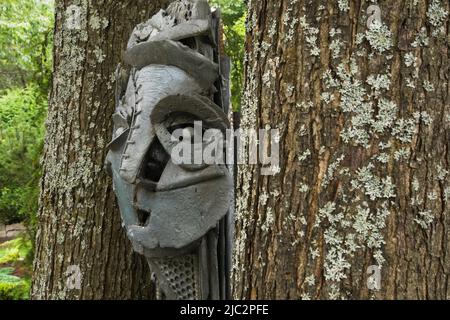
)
(81, 250)
(362, 107)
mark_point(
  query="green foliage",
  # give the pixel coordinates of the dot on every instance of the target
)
(16, 250)
(12, 287)
(9, 256)
(5, 273)
(15, 254)
(26, 42)
(234, 16)
(25, 69)
(22, 113)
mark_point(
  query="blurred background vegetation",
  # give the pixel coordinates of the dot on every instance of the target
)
(234, 13)
(26, 30)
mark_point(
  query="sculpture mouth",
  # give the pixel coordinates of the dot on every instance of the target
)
(161, 179)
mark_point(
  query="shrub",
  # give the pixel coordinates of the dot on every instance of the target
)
(14, 251)
(22, 113)
(15, 257)
(12, 287)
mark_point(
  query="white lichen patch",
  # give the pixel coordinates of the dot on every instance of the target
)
(360, 38)
(335, 46)
(305, 106)
(343, 5)
(302, 131)
(334, 32)
(421, 39)
(402, 154)
(310, 280)
(437, 15)
(310, 36)
(269, 221)
(447, 195)
(329, 81)
(334, 293)
(410, 60)
(290, 90)
(417, 201)
(423, 117)
(99, 55)
(404, 130)
(353, 100)
(346, 232)
(263, 197)
(326, 97)
(303, 188)
(416, 184)
(314, 252)
(424, 218)
(382, 157)
(387, 113)
(72, 17)
(331, 171)
(290, 21)
(384, 146)
(379, 37)
(305, 155)
(432, 196)
(373, 186)
(410, 83)
(379, 83)
(441, 173)
(305, 297)
(364, 123)
(428, 86)
(95, 22)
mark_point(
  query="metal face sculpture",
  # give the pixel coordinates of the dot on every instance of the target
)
(174, 214)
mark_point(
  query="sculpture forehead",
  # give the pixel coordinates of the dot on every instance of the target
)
(174, 54)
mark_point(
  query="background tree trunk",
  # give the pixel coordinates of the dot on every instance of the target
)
(79, 222)
(364, 160)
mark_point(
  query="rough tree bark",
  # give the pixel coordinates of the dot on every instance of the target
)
(365, 135)
(79, 223)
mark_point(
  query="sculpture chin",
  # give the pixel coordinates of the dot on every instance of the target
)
(141, 234)
(180, 214)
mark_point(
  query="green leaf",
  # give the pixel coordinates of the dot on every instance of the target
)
(6, 271)
(234, 13)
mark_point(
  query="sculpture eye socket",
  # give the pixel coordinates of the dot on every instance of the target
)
(154, 163)
(190, 42)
